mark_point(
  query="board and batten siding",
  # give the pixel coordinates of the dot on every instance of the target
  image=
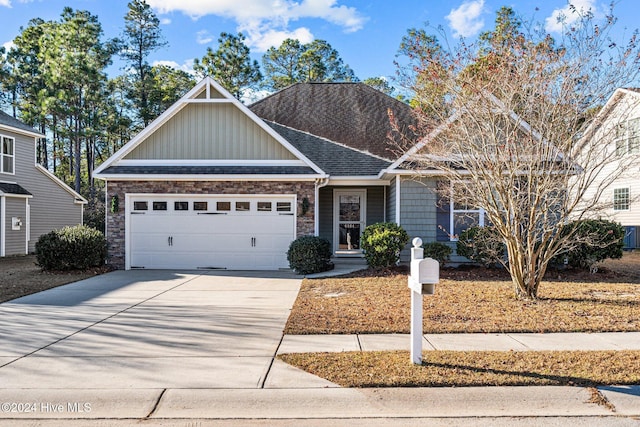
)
(15, 240)
(52, 207)
(216, 131)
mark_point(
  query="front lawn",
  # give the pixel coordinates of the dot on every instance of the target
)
(473, 300)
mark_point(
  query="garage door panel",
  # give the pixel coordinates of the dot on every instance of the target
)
(189, 239)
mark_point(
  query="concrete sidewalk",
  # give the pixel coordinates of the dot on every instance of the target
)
(463, 342)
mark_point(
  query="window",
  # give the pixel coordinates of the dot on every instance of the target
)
(243, 206)
(283, 206)
(200, 206)
(620, 199)
(7, 155)
(181, 206)
(140, 206)
(264, 206)
(628, 137)
(159, 206)
(223, 206)
(463, 216)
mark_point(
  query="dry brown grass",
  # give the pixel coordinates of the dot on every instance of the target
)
(473, 300)
(460, 369)
(20, 276)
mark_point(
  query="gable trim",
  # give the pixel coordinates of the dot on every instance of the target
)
(78, 199)
(523, 124)
(205, 83)
(33, 134)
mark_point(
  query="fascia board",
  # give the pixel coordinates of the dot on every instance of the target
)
(12, 129)
(65, 187)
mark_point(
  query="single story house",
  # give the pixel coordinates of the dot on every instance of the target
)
(33, 201)
(214, 184)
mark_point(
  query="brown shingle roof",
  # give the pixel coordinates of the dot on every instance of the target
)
(352, 114)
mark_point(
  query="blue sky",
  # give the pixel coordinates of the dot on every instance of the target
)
(366, 33)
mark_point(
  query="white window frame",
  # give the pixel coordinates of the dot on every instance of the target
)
(623, 194)
(452, 216)
(628, 137)
(3, 155)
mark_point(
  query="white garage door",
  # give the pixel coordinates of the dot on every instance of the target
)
(181, 232)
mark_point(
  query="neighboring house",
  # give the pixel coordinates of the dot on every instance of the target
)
(214, 184)
(619, 123)
(32, 200)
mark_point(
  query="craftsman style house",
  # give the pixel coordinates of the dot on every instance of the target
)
(212, 183)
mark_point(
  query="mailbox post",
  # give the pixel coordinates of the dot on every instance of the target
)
(425, 273)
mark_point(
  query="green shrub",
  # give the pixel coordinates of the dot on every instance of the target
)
(71, 248)
(438, 251)
(310, 254)
(596, 240)
(382, 244)
(481, 245)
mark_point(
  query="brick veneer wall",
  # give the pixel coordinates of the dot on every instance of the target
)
(116, 221)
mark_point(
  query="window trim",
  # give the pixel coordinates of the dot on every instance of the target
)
(628, 137)
(625, 202)
(453, 237)
(3, 155)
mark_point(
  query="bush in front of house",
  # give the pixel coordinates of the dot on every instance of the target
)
(310, 254)
(382, 244)
(597, 240)
(481, 245)
(71, 248)
(438, 251)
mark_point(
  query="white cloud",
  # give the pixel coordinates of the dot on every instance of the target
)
(186, 66)
(567, 15)
(203, 37)
(165, 21)
(265, 20)
(466, 21)
(6, 3)
(254, 95)
(8, 45)
(264, 39)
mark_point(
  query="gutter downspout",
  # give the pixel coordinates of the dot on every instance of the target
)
(321, 182)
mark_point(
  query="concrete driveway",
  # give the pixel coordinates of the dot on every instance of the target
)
(146, 330)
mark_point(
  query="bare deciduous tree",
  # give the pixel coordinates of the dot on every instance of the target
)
(512, 137)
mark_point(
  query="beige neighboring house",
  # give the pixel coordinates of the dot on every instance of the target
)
(32, 200)
(619, 127)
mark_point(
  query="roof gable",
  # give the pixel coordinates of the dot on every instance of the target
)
(406, 158)
(10, 123)
(206, 127)
(351, 114)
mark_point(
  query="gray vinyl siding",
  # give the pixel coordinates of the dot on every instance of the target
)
(375, 205)
(391, 201)
(375, 208)
(15, 239)
(204, 131)
(52, 207)
(418, 201)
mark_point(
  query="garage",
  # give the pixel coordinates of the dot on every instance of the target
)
(239, 232)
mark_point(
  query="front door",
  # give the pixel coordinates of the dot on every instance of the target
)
(349, 221)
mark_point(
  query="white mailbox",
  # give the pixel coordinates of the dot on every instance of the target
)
(425, 273)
